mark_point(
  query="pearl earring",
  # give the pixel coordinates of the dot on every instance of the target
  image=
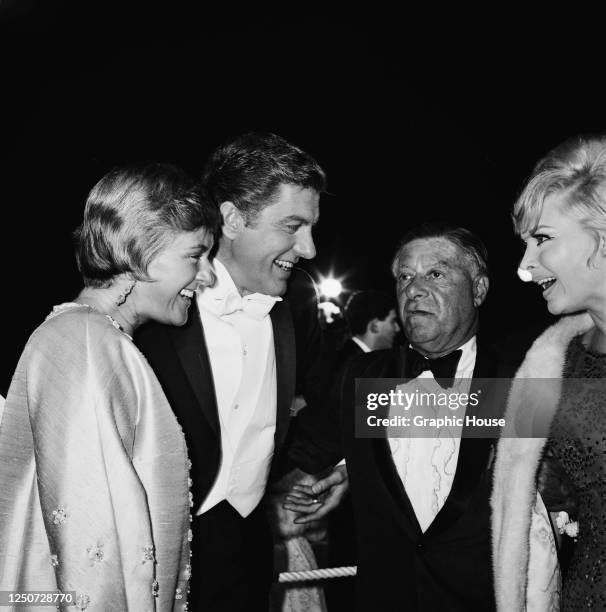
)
(525, 275)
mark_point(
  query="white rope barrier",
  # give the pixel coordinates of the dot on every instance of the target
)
(318, 574)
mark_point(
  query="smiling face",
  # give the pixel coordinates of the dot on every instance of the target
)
(260, 256)
(561, 255)
(438, 295)
(176, 272)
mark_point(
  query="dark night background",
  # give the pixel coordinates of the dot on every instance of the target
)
(413, 116)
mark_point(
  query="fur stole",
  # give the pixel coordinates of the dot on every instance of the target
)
(517, 460)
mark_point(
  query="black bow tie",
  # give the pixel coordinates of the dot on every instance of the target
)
(443, 368)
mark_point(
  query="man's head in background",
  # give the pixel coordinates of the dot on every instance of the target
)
(372, 318)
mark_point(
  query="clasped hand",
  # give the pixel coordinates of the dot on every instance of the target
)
(312, 502)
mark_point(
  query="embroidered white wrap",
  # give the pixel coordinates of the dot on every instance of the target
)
(93, 472)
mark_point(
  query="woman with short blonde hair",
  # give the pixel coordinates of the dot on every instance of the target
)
(561, 216)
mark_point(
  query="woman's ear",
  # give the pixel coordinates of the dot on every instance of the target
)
(233, 221)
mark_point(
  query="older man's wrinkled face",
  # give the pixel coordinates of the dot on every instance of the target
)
(438, 295)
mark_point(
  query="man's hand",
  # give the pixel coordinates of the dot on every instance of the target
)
(282, 520)
(312, 502)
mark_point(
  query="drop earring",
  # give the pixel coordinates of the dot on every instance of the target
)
(122, 297)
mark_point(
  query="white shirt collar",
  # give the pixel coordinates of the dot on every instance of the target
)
(214, 298)
(467, 361)
(361, 344)
(224, 285)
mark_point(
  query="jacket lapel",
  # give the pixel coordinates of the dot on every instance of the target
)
(394, 368)
(190, 345)
(191, 348)
(474, 453)
(393, 482)
(284, 345)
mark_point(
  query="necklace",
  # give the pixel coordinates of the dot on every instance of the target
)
(74, 304)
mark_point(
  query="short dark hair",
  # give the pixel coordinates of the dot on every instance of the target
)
(249, 169)
(131, 214)
(364, 306)
(472, 247)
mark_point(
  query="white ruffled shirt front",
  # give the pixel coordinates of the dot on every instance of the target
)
(427, 466)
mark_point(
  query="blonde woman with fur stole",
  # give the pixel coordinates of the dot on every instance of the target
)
(561, 216)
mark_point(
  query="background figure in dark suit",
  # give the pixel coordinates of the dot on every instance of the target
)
(373, 323)
(302, 299)
(229, 373)
(421, 504)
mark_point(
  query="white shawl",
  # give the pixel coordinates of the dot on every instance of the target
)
(517, 461)
(93, 473)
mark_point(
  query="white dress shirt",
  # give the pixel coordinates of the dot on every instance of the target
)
(242, 358)
(427, 466)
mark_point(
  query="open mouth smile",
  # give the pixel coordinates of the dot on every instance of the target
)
(188, 294)
(546, 283)
(287, 266)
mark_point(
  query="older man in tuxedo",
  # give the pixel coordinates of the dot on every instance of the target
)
(229, 373)
(421, 505)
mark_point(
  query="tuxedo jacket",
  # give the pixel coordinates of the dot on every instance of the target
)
(448, 567)
(180, 360)
(347, 351)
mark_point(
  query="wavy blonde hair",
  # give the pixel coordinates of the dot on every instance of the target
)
(577, 169)
(132, 213)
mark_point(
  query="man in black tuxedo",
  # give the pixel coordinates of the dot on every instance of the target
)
(421, 505)
(229, 373)
(373, 323)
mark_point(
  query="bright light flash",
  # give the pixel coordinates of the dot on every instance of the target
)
(329, 310)
(330, 287)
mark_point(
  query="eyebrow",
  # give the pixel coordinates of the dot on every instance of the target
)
(443, 263)
(199, 247)
(298, 219)
(440, 263)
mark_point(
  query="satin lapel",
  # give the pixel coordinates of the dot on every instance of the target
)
(284, 345)
(395, 368)
(190, 345)
(393, 482)
(473, 456)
